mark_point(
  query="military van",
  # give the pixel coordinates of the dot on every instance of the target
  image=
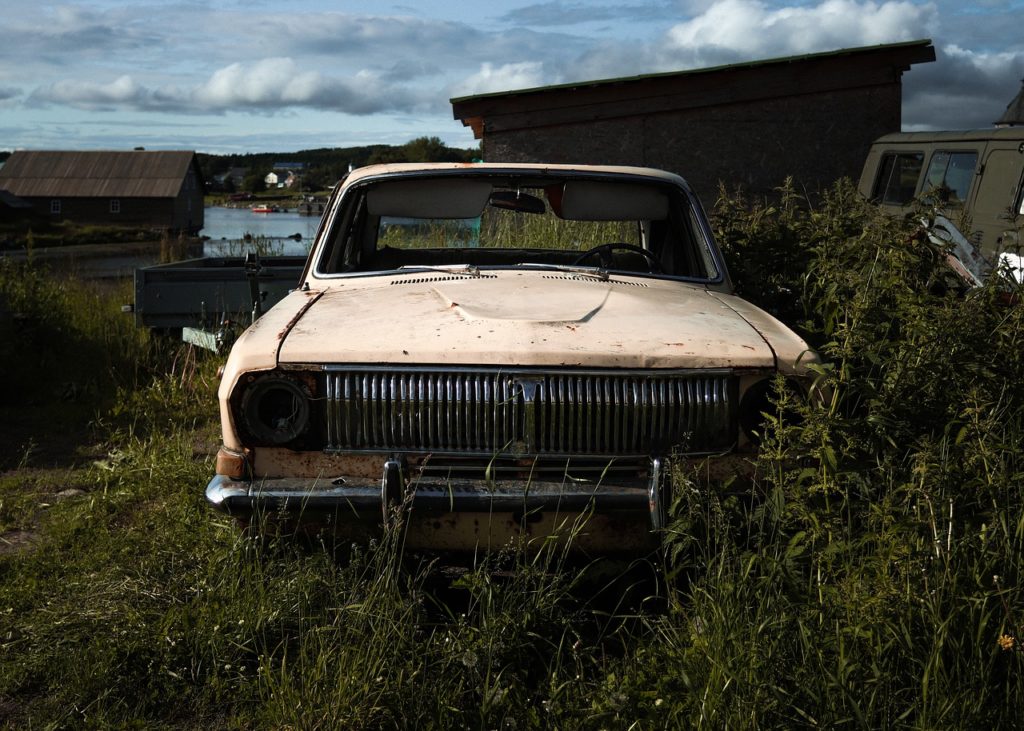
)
(974, 178)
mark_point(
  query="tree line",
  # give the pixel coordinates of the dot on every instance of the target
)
(323, 167)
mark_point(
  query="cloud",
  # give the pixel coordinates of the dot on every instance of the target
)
(748, 29)
(177, 58)
(964, 89)
(503, 78)
(122, 92)
(436, 47)
(281, 82)
(556, 13)
(268, 85)
(57, 35)
(347, 35)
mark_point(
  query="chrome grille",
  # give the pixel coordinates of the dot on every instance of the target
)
(530, 412)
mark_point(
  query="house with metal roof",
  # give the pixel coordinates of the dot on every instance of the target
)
(138, 188)
(812, 117)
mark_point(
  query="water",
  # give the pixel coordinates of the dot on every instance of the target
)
(227, 228)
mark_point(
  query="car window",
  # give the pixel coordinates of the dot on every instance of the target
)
(950, 175)
(897, 179)
(646, 228)
(498, 228)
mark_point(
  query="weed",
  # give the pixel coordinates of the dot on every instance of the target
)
(849, 584)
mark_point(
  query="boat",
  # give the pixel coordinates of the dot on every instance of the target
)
(263, 208)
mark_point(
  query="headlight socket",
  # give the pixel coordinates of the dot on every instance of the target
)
(274, 410)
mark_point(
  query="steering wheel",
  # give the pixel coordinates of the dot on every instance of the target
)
(604, 252)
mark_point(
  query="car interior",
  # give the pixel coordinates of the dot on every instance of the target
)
(449, 221)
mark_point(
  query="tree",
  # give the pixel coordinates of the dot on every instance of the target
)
(254, 183)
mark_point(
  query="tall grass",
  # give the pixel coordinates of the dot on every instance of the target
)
(868, 577)
(498, 228)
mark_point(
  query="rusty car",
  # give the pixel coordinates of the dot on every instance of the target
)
(499, 353)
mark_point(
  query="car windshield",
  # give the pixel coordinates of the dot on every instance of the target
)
(487, 222)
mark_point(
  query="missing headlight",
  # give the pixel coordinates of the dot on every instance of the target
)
(275, 410)
(761, 399)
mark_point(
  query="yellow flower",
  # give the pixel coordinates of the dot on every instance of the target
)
(1006, 642)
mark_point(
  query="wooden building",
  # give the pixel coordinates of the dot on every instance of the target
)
(752, 124)
(140, 188)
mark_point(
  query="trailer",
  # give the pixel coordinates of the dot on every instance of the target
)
(200, 299)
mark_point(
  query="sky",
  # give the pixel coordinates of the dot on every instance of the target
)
(223, 76)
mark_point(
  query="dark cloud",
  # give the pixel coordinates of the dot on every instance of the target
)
(556, 13)
(961, 89)
(379, 42)
(62, 36)
(406, 69)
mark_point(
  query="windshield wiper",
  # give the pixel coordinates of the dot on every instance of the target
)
(467, 269)
(596, 272)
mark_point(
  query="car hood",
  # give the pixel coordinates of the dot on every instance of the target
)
(528, 319)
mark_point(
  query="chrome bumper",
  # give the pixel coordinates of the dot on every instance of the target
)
(368, 501)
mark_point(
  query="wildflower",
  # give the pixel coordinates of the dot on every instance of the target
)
(1006, 642)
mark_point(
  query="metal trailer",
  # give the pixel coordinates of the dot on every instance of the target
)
(203, 298)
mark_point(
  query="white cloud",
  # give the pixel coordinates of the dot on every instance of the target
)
(753, 29)
(502, 78)
(123, 91)
(268, 85)
(272, 81)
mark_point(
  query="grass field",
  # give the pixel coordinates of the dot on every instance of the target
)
(871, 577)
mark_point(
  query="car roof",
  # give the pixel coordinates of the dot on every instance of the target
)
(485, 168)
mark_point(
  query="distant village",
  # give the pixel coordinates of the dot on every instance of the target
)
(168, 190)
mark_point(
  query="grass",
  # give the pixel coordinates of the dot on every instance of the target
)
(497, 228)
(870, 577)
(40, 232)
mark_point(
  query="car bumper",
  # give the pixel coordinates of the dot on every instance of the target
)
(457, 514)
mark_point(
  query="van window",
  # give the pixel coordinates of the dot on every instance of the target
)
(951, 173)
(897, 177)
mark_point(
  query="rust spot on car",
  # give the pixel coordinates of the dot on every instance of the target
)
(312, 296)
(281, 462)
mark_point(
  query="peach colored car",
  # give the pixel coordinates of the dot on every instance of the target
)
(499, 352)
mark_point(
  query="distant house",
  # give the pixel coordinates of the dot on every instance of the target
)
(141, 188)
(236, 175)
(285, 174)
(749, 124)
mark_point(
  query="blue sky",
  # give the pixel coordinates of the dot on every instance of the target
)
(281, 76)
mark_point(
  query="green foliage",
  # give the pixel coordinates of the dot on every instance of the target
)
(254, 182)
(868, 576)
(328, 165)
